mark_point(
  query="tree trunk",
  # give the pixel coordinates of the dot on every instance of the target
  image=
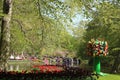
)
(116, 63)
(5, 33)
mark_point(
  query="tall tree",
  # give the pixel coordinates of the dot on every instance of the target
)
(105, 20)
(5, 33)
(41, 30)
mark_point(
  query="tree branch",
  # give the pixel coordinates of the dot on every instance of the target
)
(20, 25)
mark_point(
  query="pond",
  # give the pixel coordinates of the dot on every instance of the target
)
(18, 65)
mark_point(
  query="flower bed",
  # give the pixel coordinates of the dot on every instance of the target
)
(58, 73)
(47, 68)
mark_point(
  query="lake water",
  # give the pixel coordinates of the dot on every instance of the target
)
(18, 65)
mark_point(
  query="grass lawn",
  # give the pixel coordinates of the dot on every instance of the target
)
(110, 77)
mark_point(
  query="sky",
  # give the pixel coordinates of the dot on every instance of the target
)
(77, 19)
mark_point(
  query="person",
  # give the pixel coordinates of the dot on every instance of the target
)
(58, 61)
(46, 61)
(74, 61)
(64, 61)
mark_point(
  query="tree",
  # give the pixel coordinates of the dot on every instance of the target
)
(104, 24)
(41, 30)
(5, 33)
(116, 64)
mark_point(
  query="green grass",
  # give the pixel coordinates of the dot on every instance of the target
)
(110, 77)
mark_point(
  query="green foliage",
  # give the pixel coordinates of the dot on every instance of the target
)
(109, 77)
(18, 41)
(116, 49)
(40, 27)
(45, 24)
(104, 24)
(1, 14)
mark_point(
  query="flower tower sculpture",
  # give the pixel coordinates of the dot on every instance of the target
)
(97, 48)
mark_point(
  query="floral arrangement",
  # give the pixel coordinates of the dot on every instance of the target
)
(97, 47)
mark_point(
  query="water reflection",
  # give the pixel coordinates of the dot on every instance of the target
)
(11, 68)
(19, 65)
(17, 68)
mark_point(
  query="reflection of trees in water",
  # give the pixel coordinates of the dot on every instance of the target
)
(14, 67)
(18, 65)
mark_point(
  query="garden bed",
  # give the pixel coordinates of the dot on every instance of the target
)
(48, 73)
